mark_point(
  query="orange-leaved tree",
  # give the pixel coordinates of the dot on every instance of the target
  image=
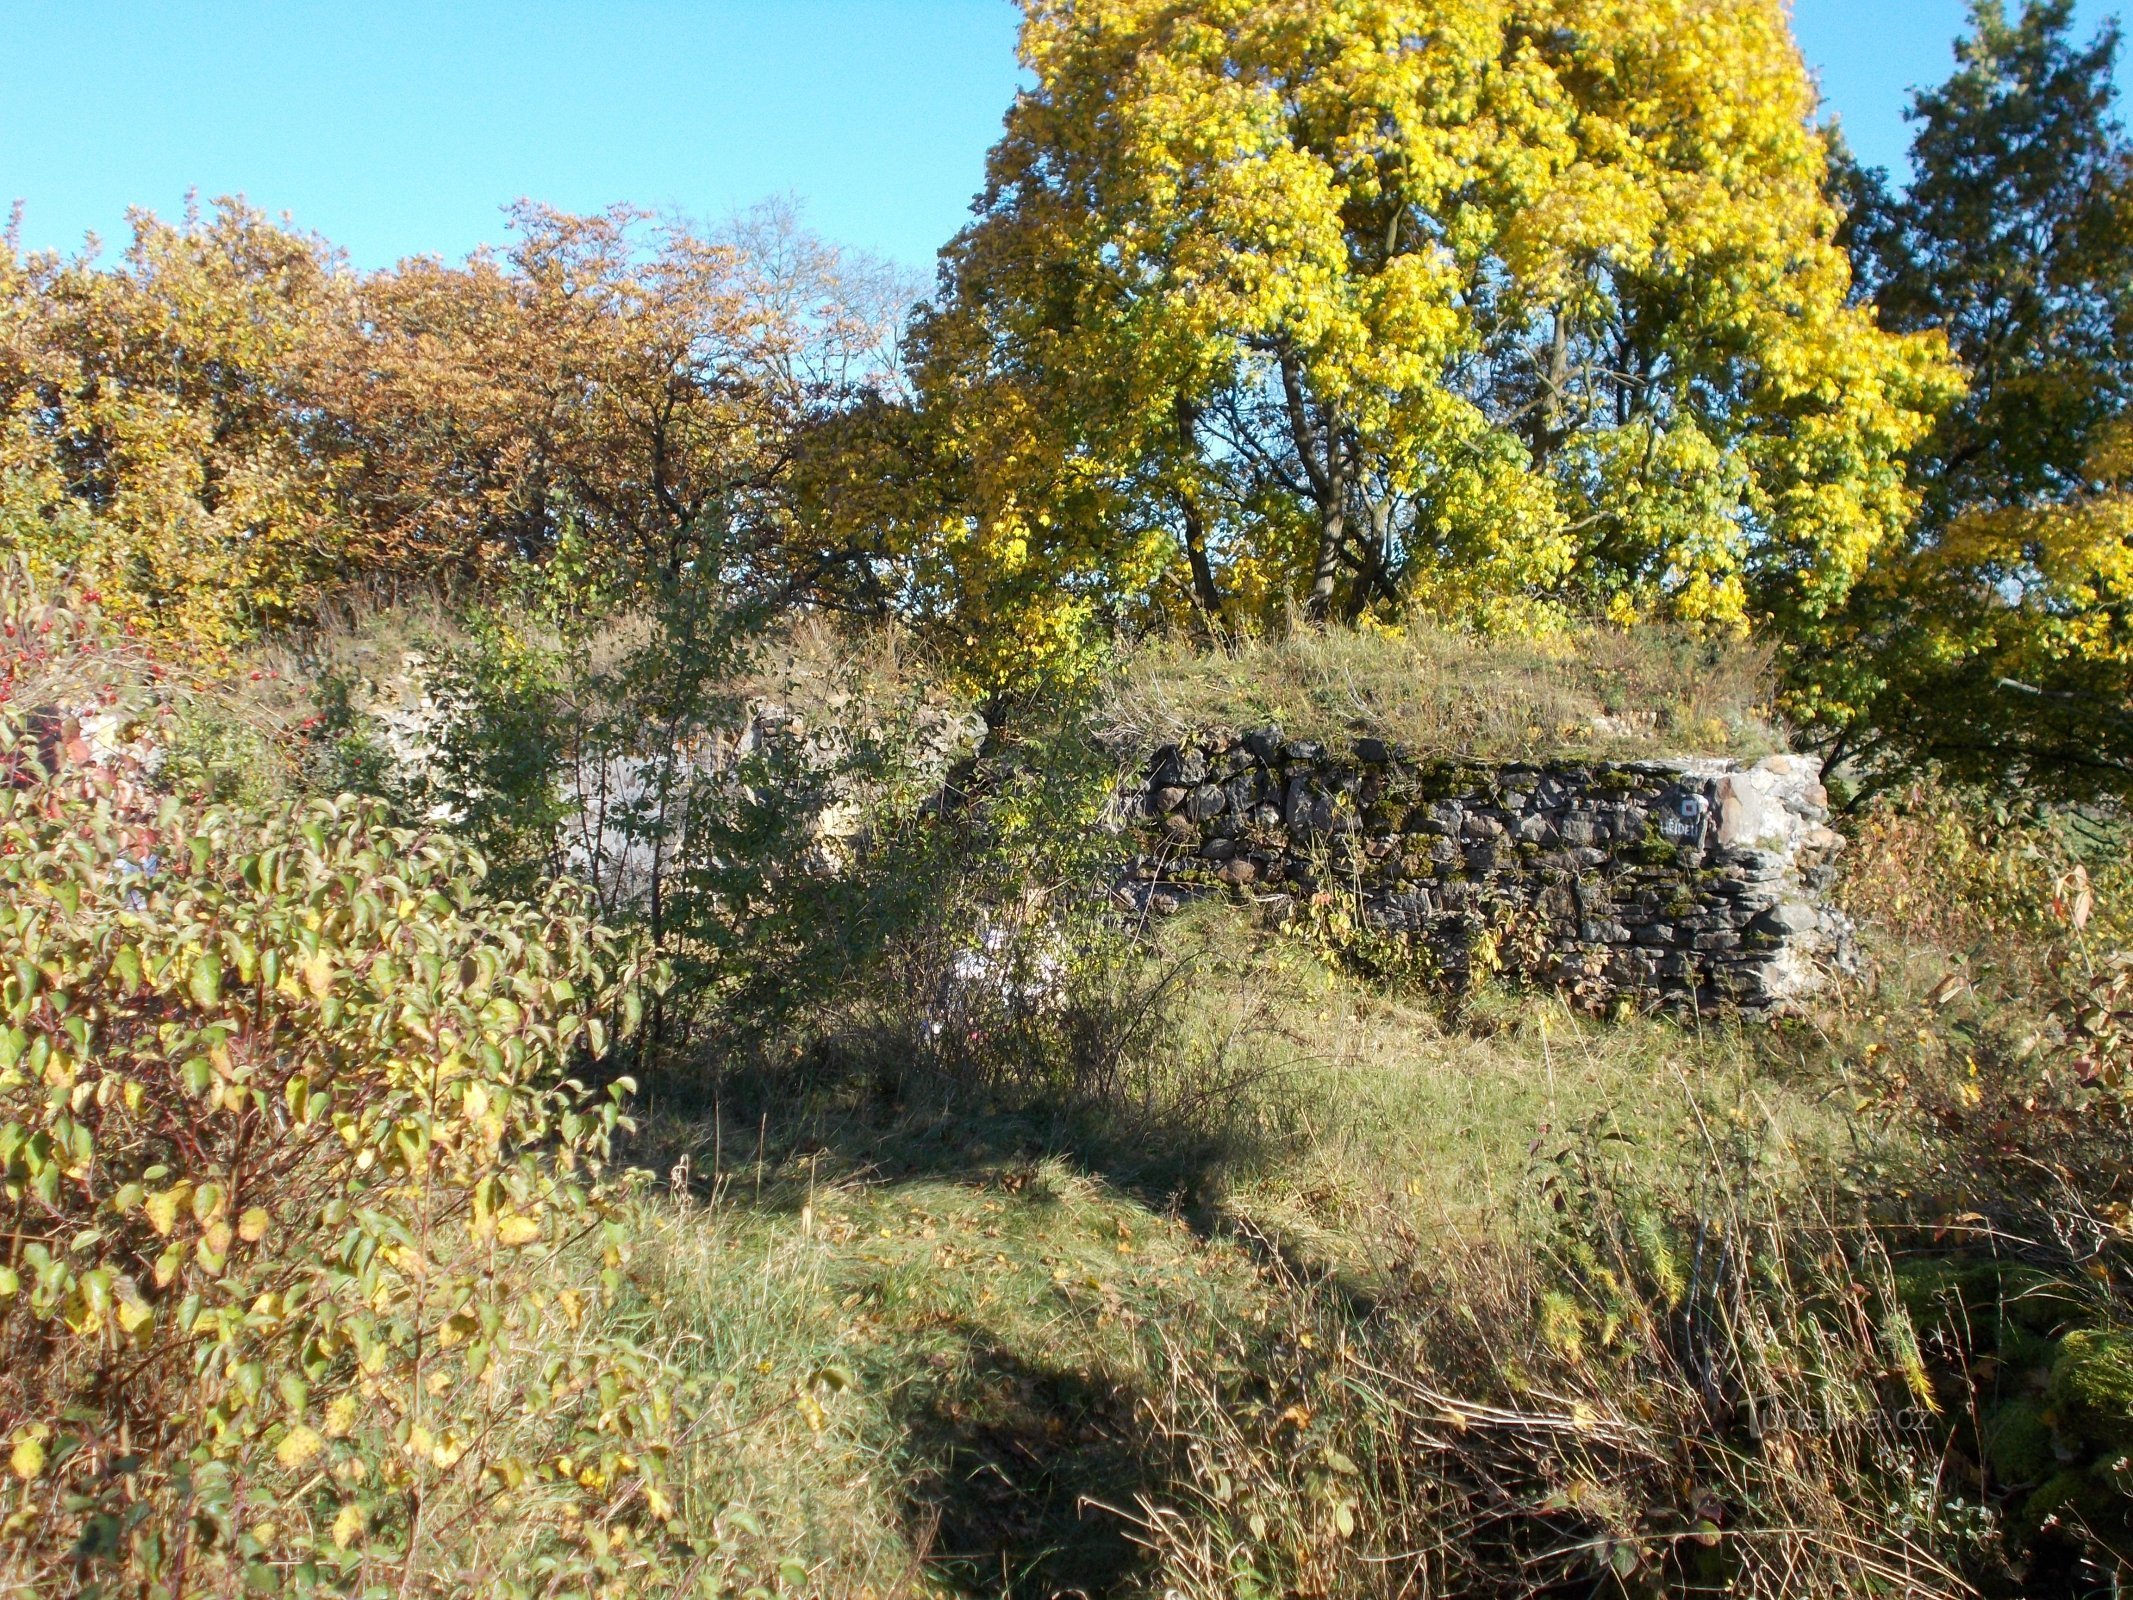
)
(251, 423)
(636, 379)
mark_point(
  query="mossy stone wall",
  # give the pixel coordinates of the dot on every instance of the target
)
(1689, 882)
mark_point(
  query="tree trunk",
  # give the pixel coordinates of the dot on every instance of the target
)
(1332, 533)
(1205, 595)
(1372, 576)
(1319, 448)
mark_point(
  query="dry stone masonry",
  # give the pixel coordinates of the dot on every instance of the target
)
(1682, 882)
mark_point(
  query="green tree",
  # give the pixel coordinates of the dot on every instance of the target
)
(2016, 238)
(1995, 639)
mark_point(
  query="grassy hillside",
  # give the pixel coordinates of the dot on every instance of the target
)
(1134, 1347)
(1346, 1296)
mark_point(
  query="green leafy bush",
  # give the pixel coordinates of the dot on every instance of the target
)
(297, 1186)
(620, 744)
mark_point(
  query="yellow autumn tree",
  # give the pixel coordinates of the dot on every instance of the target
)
(2004, 647)
(1499, 309)
(174, 396)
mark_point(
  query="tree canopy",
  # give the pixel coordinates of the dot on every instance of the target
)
(175, 396)
(1994, 639)
(1496, 310)
(251, 423)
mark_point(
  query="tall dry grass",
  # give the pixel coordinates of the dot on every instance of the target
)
(1587, 693)
(1716, 1390)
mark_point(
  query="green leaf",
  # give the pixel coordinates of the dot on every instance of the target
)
(206, 984)
(95, 1286)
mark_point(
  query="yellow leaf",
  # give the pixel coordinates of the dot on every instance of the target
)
(517, 1230)
(349, 1525)
(27, 1458)
(298, 1446)
(252, 1226)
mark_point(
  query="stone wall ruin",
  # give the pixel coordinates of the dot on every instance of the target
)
(1694, 883)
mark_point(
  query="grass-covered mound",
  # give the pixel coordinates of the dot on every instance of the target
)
(1586, 693)
(1320, 1290)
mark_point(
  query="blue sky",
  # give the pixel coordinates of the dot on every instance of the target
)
(401, 126)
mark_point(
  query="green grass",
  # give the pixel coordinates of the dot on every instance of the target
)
(1345, 1289)
(998, 1326)
(1019, 1291)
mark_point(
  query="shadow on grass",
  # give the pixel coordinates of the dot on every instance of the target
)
(768, 1134)
(1019, 1474)
(1017, 1462)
